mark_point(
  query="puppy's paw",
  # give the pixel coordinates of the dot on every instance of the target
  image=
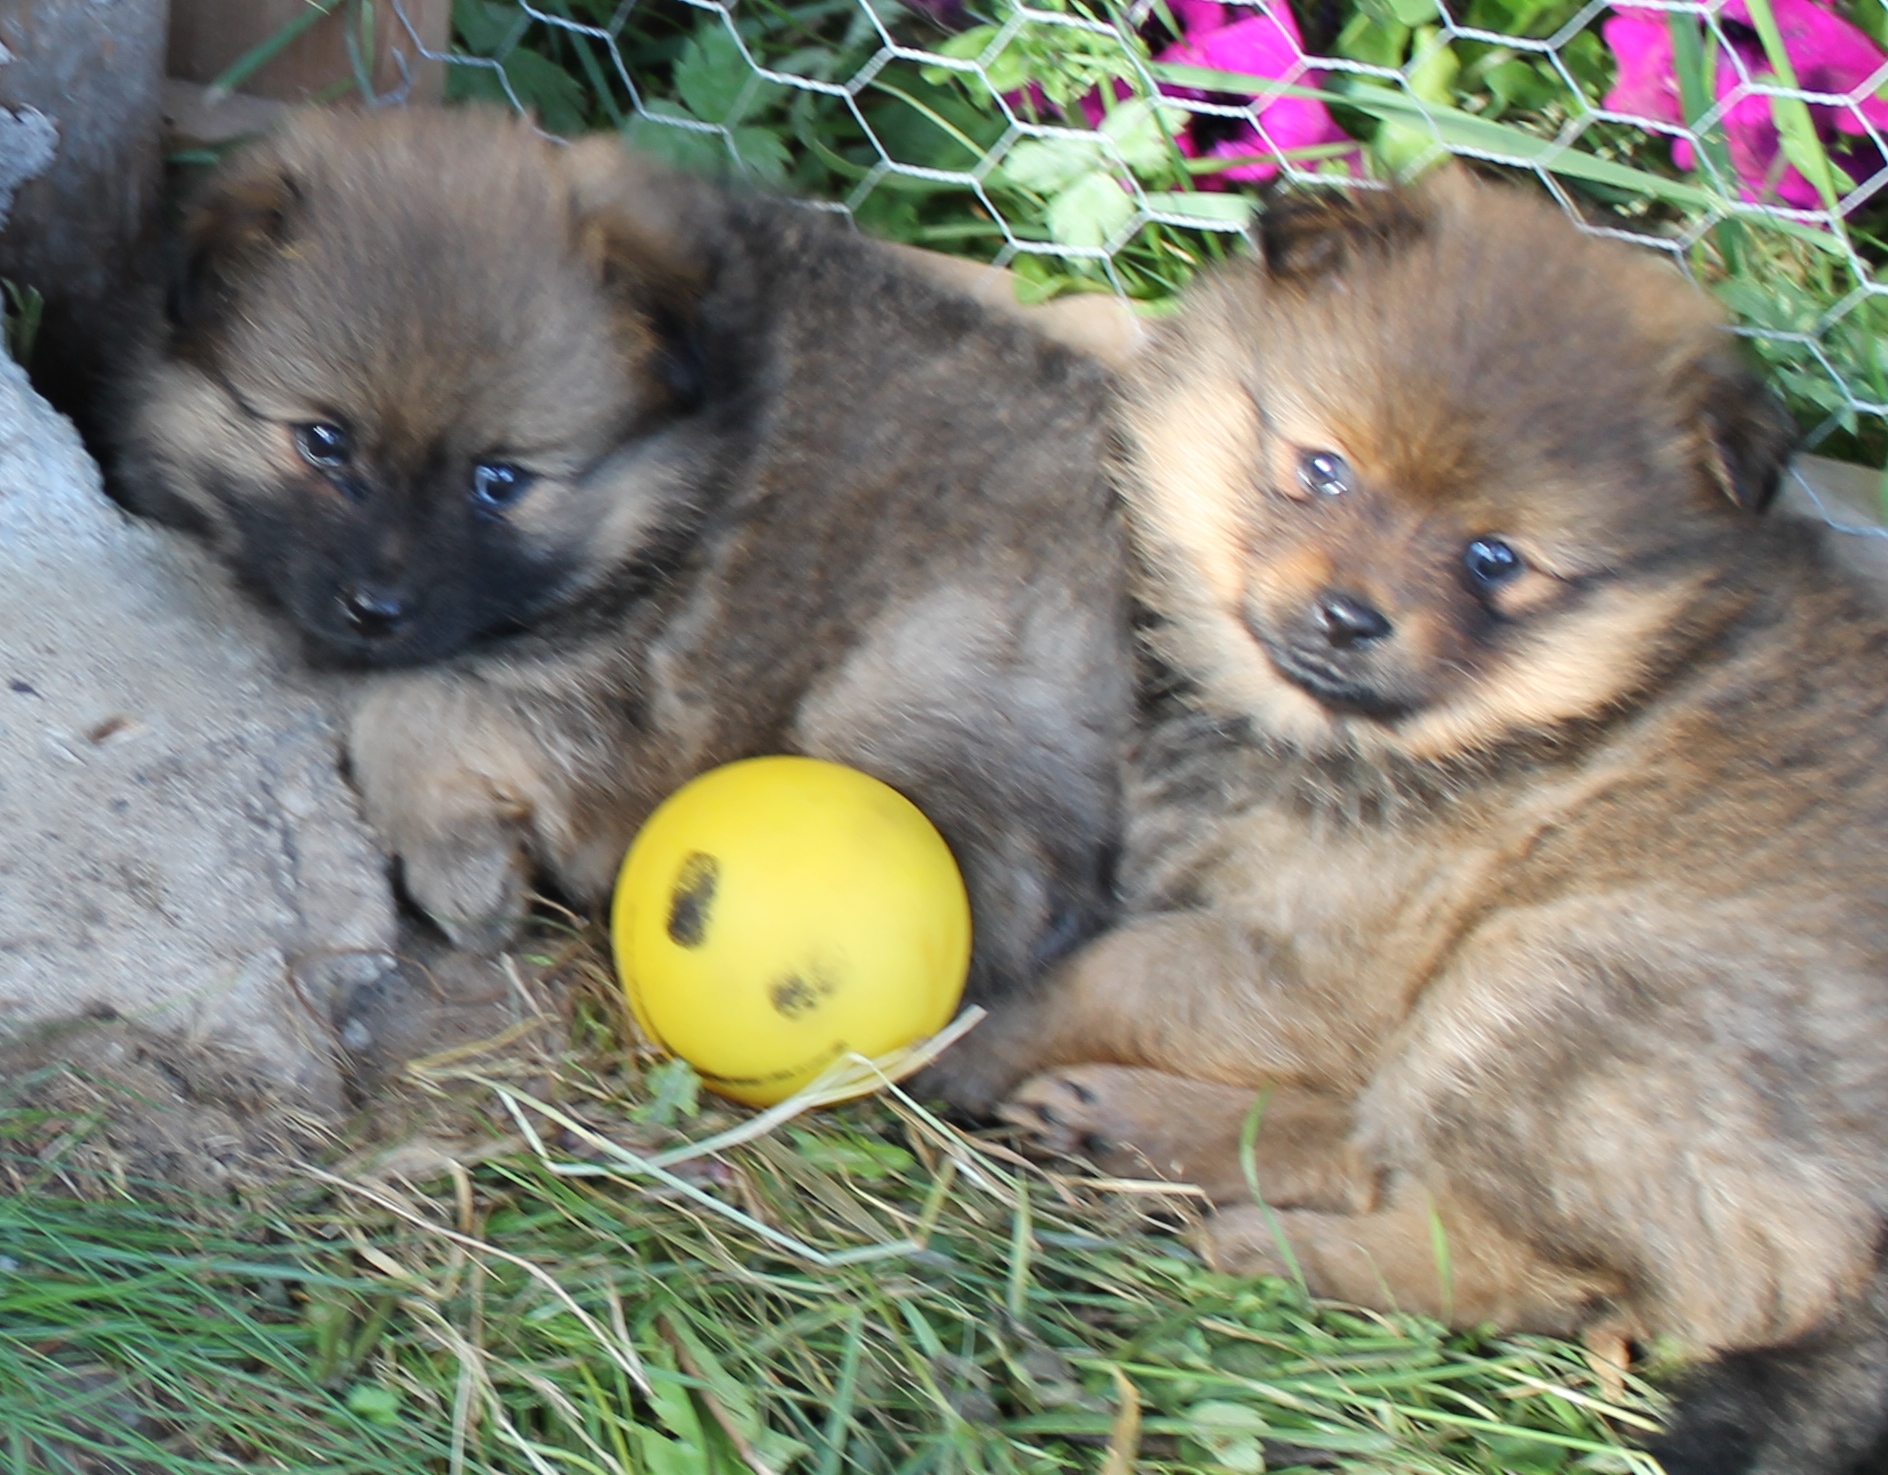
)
(448, 789)
(471, 886)
(1103, 1114)
(977, 1072)
(968, 1081)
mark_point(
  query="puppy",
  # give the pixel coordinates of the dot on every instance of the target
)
(599, 478)
(1510, 828)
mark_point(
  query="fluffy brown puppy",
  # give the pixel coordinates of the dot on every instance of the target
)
(1512, 823)
(602, 477)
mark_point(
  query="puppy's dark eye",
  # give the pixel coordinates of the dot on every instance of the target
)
(1490, 563)
(324, 444)
(497, 484)
(1324, 473)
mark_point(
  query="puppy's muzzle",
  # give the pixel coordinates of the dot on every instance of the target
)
(1333, 649)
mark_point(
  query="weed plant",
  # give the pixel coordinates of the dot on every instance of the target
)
(20, 310)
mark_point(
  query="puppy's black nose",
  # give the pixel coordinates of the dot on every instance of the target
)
(374, 612)
(1346, 620)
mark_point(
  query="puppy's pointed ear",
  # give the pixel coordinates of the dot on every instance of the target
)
(636, 228)
(1746, 436)
(246, 210)
(1303, 238)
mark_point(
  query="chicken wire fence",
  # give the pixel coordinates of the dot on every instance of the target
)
(1120, 149)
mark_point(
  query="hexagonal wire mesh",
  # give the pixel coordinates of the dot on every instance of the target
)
(1119, 149)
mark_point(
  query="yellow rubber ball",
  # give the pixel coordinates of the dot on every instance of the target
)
(777, 913)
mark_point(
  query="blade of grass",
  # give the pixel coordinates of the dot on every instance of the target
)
(1445, 1266)
(1022, 1247)
(1796, 130)
(1124, 1435)
(1697, 91)
(267, 50)
(839, 1421)
(1249, 1166)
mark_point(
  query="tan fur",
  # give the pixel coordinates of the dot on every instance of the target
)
(1573, 889)
(780, 495)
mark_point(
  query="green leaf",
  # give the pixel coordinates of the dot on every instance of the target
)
(777, 1450)
(1402, 146)
(548, 90)
(1518, 83)
(674, 1090)
(1432, 76)
(922, 123)
(1519, 1455)
(475, 84)
(1589, 63)
(663, 1456)
(374, 1403)
(669, 1397)
(765, 155)
(964, 46)
(1213, 209)
(889, 214)
(1232, 1433)
(816, 62)
(1090, 211)
(1379, 43)
(484, 25)
(1046, 165)
(690, 150)
(923, 108)
(1141, 133)
(1041, 279)
(21, 310)
(711, 73)
(1009, 71)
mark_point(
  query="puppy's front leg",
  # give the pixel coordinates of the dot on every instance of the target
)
(1434, 1254)
(1189, 993)
(1132, 1122)
(450, 784)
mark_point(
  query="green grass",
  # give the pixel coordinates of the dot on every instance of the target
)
(862, 1289)
(20, 309)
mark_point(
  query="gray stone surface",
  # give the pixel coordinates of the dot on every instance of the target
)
(1849, 500)
(28, 139)
(176, 842)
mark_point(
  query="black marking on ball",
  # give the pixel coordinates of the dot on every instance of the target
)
(795, 995)
(691, 898)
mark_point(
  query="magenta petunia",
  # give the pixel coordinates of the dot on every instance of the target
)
(1645, 83)
(1259, 44)
(1196, 17)
(1829, 54)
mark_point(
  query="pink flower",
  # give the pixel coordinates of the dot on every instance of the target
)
(1260, 44)
(1829, 55)
(1199, 16)
(1231, 38)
